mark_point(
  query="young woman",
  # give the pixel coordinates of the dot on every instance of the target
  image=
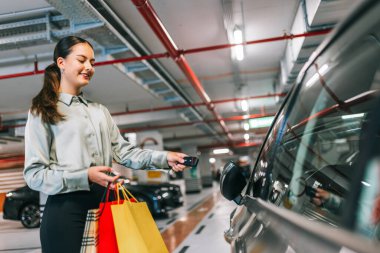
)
(70, 143)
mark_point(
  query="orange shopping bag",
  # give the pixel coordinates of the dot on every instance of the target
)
(136, 231)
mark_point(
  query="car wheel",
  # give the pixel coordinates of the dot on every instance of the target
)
(30, 216)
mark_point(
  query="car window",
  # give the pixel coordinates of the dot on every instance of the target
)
(367, 216)
(307, 162)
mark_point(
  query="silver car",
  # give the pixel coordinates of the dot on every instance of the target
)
(315, 186)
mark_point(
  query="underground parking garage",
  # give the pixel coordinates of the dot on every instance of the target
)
(189, 126)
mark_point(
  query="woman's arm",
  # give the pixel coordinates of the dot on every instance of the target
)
(136, 158)
(39, 173)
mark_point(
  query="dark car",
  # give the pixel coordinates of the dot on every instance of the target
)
(23, 203)
(315, 186)
(169, 194)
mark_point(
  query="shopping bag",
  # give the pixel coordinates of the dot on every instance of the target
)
(107, 242)
(136, 231)
(107, 239)
(90, 234)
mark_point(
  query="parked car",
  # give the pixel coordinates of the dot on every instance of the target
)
(23, 203)
(170, 194)
(315, 186)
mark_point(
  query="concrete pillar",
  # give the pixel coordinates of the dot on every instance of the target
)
(205, 168)
(192, 175)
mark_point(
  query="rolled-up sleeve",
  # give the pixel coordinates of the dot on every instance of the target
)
(131, 156)
(39, 172)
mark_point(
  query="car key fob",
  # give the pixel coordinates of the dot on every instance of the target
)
(310, 191)
(190, 161)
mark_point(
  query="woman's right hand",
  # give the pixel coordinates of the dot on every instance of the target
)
(97, 174)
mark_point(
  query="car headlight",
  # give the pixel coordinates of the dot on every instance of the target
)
(9, 194)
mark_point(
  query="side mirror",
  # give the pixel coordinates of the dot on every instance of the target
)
(232, 182)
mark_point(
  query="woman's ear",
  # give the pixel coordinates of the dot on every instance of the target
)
(61, 63)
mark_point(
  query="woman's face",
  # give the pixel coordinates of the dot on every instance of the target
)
(78, 66)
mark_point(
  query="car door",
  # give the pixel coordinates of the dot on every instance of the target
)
(312, 189)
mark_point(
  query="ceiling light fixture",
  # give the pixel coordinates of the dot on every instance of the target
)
(238, 50)
(221, 151)
(212, 160)
(246, 137)
(246, 126)
(261, 122)
(244, 105)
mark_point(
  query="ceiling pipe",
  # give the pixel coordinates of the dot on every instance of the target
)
(235, 145)
(258, 134)
(272, 39)
(147, 11)
(179, 52)
(176, 107)
(233, 118)
(140, 129)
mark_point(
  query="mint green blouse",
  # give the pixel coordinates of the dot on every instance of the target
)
(57, 157)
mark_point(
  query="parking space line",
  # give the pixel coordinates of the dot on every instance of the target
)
(179, 230)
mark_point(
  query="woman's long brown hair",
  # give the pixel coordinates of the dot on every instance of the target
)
(45, 103)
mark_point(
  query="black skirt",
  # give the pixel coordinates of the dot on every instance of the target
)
(64, 219)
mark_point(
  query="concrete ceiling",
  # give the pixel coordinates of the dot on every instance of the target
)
(190, 24)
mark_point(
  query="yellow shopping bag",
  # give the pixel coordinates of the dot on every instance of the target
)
(136, 231)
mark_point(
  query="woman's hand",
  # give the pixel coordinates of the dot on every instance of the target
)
(321, 196)
(97, 174)
(174, 160)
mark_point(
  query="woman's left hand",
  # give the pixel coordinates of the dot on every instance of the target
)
(175, 159)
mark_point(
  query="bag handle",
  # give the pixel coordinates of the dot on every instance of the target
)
(106, 196)
(127, 194)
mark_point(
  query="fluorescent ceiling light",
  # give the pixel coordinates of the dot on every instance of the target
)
(221, 151)
(351, 116)
(238, 50)
(238, 36)
(246, 126)
(244, 105)
(212, 160)
(261, 122)
(246, 137)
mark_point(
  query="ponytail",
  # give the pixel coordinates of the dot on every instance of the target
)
(45, 103)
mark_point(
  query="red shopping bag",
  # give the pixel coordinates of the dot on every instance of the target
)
(106, 229)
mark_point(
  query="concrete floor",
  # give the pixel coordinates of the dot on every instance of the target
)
(207, 235)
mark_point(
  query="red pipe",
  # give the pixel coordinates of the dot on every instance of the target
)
(233, 118)
(175, 107)
(191, 137)
(139, 129)
(358, 99)
(180, 52)
(234, 145)
(272, 39)
(147, 11)
(103, 63)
